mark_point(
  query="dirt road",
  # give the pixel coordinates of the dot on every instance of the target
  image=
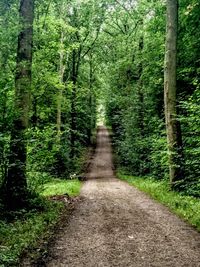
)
(117, 225)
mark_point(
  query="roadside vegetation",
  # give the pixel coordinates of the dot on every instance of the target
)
(186, 207)
(61, 187)
(26, 228)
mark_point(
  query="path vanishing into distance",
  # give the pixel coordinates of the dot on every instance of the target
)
(114, 224)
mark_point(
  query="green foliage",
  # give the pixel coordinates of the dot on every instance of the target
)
(158, 156)
(191, 126)
(27, 228)
(186, 207)
(18, 236)
(45, 154)
(134, 88)
(49, 153)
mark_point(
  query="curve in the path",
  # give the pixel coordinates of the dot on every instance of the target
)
(117, 225)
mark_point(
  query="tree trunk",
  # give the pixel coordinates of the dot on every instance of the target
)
(91, 78)
(173, 131)
(73, 106)
(76, 60)
(60, 93)
(140, 87)
(15, 184)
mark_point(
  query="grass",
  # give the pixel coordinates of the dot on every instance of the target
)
(28, 228)
(23, 233)
(186, 207)
(61, 187)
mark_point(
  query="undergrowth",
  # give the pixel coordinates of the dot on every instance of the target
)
(187, 207)
(28, 227)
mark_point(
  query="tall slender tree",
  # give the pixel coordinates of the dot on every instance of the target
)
(172, 126)
(15, 183)
(61, 75)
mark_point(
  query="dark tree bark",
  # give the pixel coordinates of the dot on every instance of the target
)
(173, 129)
(15, 183)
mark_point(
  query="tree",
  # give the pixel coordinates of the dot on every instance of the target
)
(172, 127)
(62, 67)
(15, 183)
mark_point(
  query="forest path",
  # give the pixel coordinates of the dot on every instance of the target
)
(117, 225)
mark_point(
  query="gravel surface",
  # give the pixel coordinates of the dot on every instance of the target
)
(114, 224)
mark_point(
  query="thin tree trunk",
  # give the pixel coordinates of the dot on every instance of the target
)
(60, 93)
(76, 60)
(15, 184)
(89, 130)
(140, 87)
(173, 131)
(73, 107)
